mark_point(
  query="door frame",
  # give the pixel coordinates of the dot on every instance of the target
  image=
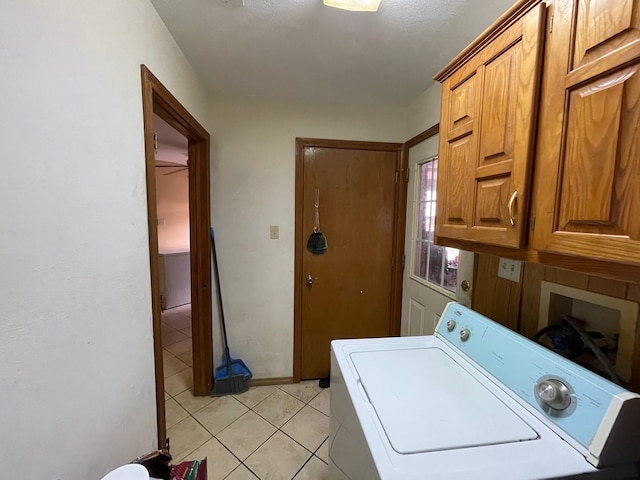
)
(157, 99)
(398, 226)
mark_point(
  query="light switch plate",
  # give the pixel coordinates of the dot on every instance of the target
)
(510, 269)
(274, 232)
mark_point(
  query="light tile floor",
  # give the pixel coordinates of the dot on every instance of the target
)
(268, 433)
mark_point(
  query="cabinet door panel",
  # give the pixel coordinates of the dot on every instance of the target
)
(599, 169)
(498, 107)
(458, 151)
(461, 102)
(462, 107)
(603, 27)
(459, 187)
(491, 198)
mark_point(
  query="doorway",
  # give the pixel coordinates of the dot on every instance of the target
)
(157, 100)
(351, 289)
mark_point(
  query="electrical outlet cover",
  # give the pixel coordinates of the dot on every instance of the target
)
(510, 269)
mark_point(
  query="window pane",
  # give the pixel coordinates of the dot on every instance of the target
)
(434, 178)
(420, 263)
(431, 193)
(423, 221)
(425, 181)
(451, 268)
(436, 255)
(431, 213)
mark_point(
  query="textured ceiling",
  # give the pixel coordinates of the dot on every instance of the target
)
(302, 49)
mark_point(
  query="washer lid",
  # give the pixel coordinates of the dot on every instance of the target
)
(426, 402)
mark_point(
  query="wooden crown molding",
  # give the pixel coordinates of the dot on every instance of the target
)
(504, 22)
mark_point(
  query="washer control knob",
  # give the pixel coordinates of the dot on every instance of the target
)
(553, 393)
(465, 333)
(451, 324)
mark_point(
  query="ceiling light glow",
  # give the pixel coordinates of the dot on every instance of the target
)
(354, 5)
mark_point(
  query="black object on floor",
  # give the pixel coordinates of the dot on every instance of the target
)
(227, 381)
(324, 382)
(157, 463)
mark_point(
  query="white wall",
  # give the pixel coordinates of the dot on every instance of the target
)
(424, 111)
(253, 180)
(76, 359)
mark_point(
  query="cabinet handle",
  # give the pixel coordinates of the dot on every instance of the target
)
(510, 207)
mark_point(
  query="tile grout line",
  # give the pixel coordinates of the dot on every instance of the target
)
(316, 451)
(279, 429)
(310, 451)
(251, 409)
(302, 467)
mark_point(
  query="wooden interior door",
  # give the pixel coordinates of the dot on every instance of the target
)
(590, 148)
(347, 291)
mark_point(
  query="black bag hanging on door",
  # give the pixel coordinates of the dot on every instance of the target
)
(317, 243)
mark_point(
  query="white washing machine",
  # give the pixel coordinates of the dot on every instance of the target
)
(474, 401)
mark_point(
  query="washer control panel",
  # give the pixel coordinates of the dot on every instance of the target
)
(572, 397)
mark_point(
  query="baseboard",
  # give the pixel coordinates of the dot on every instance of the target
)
(259, 382)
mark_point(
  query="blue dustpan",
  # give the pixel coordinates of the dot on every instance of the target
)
(237, 368)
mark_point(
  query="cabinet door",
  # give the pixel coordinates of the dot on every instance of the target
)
(459, 121)
(487, 129)
(595, 159)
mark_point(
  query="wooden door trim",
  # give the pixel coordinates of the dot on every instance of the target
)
(398, 249)
(421, 137)
(157, 99)
(347, 145)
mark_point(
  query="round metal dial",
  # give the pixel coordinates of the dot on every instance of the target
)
(553, 393)
(451, 324)
(465, 334)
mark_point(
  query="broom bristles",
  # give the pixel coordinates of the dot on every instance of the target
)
(230, 386)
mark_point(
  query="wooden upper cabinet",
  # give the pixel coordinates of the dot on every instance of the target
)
(488, 120)
(588, 163)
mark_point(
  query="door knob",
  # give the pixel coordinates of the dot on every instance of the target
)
(309, 279)
(465, 285)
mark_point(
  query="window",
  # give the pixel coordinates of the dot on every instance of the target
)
(437, 265)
